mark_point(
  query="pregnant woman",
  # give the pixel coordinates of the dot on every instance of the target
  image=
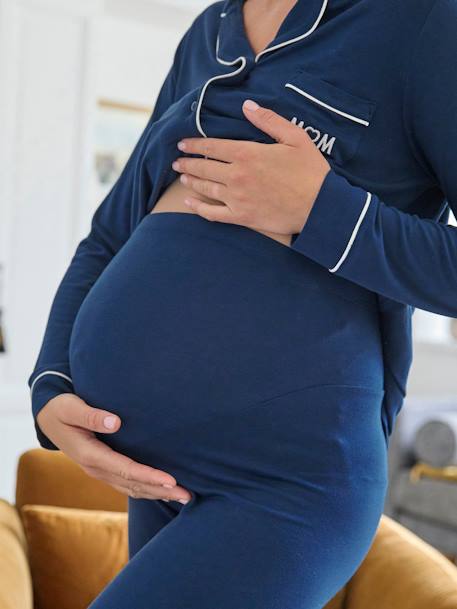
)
(231, 342)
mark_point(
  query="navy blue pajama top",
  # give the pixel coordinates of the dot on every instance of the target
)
(375, 86)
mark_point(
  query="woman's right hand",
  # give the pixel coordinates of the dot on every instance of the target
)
(70, 424)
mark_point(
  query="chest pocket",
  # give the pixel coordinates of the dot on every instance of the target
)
(334, 119)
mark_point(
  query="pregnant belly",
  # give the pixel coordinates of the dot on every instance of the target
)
(194, 326)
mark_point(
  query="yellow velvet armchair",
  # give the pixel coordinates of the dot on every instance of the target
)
(66, 538)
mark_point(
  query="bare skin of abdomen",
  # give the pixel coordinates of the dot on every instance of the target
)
(173, 200)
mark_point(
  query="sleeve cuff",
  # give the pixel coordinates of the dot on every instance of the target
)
(46, 388)
(333, 222)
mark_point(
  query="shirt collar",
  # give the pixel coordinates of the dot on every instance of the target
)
(302, 20)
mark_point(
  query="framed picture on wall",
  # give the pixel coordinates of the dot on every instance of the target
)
(117, 129)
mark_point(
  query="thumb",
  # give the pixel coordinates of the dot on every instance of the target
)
(77, 412)
(274, 125)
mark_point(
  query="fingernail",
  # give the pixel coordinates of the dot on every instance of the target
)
(183, 178)
(187, 202)
(251, 105)
(167, 500)
(175, 165)
(109, 422)
(167, 486)
(182, 145)
(184, 501)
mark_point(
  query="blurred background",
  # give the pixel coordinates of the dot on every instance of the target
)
(78, 82)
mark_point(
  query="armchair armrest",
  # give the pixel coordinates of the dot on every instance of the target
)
(15, 579)
(401, 571)
(46, 477)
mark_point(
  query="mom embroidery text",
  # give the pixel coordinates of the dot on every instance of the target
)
(323, 141)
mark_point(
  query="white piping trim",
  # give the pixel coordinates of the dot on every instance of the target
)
(310, 31)
(354, 233)
(219, 76)
(321, 103)
(55, 372)
(222, 61)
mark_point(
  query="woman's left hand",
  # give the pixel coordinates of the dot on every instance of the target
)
(269, 187)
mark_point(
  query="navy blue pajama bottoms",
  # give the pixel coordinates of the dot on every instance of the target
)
(255, 377)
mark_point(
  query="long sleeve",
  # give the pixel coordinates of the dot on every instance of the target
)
(399, 255)
(110, 228)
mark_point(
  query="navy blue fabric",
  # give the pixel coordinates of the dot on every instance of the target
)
(374, 85)
(255, 378)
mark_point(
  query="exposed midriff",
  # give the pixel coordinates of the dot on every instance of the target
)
(172, 200)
